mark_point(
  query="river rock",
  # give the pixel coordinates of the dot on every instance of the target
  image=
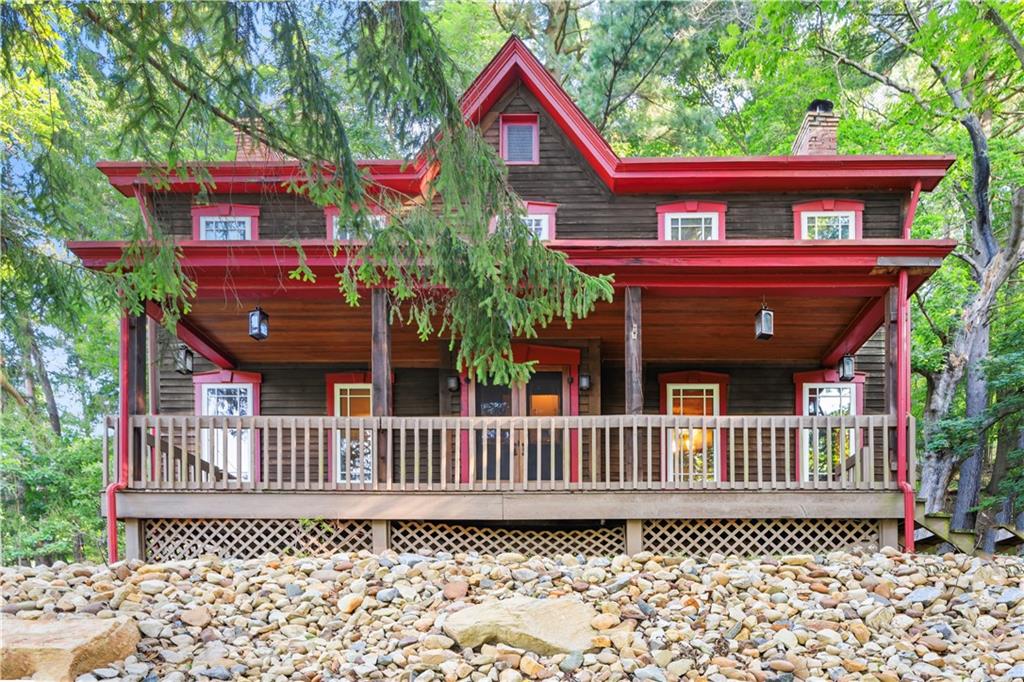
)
(544, 626)
(63, 649)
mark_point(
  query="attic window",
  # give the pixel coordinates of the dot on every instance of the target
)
(828, 219)
(347, 233)
(225, 222)
(540, 219)
(520, 139)
(684, 221)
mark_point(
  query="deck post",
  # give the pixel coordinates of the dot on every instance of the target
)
(380, 368)
(888, 533)
(134, 541)
(381, 531)
(634, 536)
(138, 370)
(634, 368)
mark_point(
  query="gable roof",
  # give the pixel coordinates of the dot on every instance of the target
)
(514, 63)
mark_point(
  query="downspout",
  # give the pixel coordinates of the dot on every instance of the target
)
(903, 407)
(911, 209)
(122, 442)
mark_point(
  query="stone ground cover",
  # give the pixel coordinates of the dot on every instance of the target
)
(846, 616)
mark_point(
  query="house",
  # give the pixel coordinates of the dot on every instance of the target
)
(746, 391)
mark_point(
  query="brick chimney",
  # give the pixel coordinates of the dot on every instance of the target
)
(250, 149)
(817, 136)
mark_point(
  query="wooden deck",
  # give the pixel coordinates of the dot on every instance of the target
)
(370, 457)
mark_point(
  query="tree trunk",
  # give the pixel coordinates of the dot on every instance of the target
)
(44, 378)
(1007, 440)
(976, 394)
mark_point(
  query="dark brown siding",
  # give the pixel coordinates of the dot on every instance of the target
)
(282, 216)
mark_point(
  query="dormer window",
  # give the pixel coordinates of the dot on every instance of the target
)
(225, 222)
(828, 219)
(685, 221)
(520, 139)
(540, 219)
(347, 233)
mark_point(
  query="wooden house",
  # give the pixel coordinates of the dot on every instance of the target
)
(660, 422)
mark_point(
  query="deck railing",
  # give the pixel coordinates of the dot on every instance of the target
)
(608, 452)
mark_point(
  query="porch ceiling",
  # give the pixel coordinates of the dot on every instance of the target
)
(674, 328)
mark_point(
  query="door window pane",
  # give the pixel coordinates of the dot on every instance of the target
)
(354, 454)
(827, 449)
(691, 449)
(225, 444)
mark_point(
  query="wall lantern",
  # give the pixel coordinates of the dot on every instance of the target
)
(453, 384)
(584, 382)
(846, 368)
(764, 323)
(184, 359)
(259, 324)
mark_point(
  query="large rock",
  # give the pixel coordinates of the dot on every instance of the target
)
(544, 626)
(63, 649)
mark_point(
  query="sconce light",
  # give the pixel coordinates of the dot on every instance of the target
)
(846, 368)
(764, 323)
(453, 384)
(259, 324)
(584, 382)
(184, 359)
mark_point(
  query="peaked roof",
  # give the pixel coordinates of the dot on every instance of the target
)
(514, 63)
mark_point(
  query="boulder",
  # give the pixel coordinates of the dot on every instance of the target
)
(63, 649)
(544, 626)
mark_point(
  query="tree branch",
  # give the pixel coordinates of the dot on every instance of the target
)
(997, 19)
(942, 336)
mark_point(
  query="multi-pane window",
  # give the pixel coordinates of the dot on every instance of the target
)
(827, 446)
(691, 226)
(227, 444)
(225, 228)
(354, 450)
(691, 451)
(377, 221)
(828, 224)
(538, 225)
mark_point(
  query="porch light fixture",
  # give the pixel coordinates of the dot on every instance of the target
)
(584, 382)
(764, 323)
(259, 324)
(184, 359)
(453, 384)
(846, 368)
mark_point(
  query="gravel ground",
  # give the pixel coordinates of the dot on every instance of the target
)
(846, 616)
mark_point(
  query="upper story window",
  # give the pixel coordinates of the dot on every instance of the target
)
(520, 139)
(828, 219)
(225, 222)
(540, 219)
(347, 233)
(691, 221)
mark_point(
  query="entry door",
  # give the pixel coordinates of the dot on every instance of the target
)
(223, 448)
(693, 450)
(499, 451)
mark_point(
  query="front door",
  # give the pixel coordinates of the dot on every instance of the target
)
(500, 449)
(692, 451)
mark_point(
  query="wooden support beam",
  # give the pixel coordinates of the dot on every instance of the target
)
(634, 352)
(134, 542)
(890, 350)
(135, 384)
(381, 531)
(194, 339)
(380, 352)
(634, 536)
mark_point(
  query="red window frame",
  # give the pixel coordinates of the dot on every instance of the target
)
(519, 119)
(715, 207)
(828, 206)
(230, 376)
(544, 208)
(240, 210)
(698, 377)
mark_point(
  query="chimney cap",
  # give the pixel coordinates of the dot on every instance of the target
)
(822, 105)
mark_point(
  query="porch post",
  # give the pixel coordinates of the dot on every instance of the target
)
(380, 368)
(137, 373)
(903, 406)
(634, 372)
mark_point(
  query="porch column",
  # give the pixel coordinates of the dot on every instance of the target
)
(137, 371)
(634, 353)
(380, 369)
(131, 400)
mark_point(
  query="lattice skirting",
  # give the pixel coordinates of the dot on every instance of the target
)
(755, 537)
(415, 536)
(170, 539)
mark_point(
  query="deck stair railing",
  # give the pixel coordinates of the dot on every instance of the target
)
(520, 454)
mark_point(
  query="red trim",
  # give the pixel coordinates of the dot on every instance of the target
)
(227, 376)
(908, 223)
(822, 376)
(697, 377)
(715, 207)
(194, 339)
(545, 208)
(239, 210)
(903, 408)
(123, 437)
(506, 120)
(829, 205)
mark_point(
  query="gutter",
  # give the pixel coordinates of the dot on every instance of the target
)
(903, 408)
(122, 444)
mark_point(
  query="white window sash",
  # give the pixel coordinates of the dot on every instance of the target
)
(805, 217)
(213, 449)
(378, 221)
(680, 458)
(206, 220)
(543, 229)
(669, 217)
(348, 439)
(815, 455)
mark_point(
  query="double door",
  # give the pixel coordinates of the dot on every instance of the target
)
(501, 449)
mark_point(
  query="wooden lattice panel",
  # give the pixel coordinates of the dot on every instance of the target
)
(754, 537)
(170, 539)
(415, 536)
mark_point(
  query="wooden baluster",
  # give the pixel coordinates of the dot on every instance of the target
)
(760, 463)
(772, 445)
(886, 461)
(566, 452)
(320, 475)
(472, 453)
(786, 452)
(157, 451)
(444, 454)
(593, 454)
(732, 452)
